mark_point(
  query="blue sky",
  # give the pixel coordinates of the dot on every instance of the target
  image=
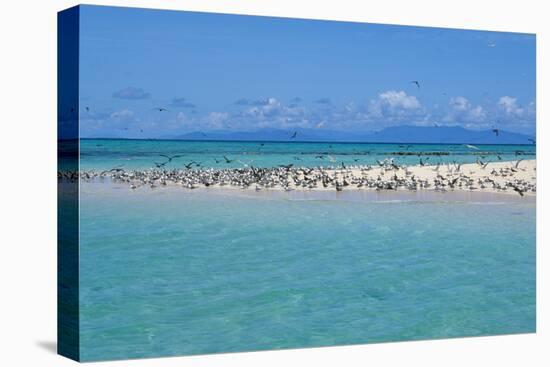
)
(244, 73)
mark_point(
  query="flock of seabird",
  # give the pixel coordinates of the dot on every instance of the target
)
(386, 175)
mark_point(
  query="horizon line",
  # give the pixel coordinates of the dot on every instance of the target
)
(286, 141)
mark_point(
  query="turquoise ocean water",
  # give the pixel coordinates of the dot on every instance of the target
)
(172, 271)
(142, 154)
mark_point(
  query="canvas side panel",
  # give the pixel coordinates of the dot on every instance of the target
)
(68, 184)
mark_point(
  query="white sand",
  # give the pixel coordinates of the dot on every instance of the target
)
(495, 177)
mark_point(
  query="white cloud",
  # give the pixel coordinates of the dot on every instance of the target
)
(510, 107)
(395, 100)
(391, 107)
(123, 114)
(215, 120)
(462, 111)
(131, 93)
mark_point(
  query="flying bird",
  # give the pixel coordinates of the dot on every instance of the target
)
(171, 157)
(416, 82)
(517, 189)
(472, 147)
(532, 141)
(518, 162)
(227, 160)
(190, 164)
(160, 109)
(294, 135)
(496, 131)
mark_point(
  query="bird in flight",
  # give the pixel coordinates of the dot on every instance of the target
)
(170, 157)
(227, 160)
(496, 131)
(294, 135)
(532, 141)
(160, 109)
(472, 147)
(416, 82)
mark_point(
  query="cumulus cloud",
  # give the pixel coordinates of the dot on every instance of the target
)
(513, 115)
(182, 102)
(249, 102)
(388, 108)
(392, 106)
(462, 111)
(122, 114)
(509, 106)
(210, 121)
(131, 93)
(324, 100)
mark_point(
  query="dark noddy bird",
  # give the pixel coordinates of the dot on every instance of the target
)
(190, 164)
(453, 182)
(416, 82)
(517, 163)
(227, 160)
(160, 109)
(170, 157)
(517, 189)
(294, 135)
(114, 169)
(496, 131)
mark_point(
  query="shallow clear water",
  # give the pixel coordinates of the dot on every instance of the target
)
(166, 272)
(142, 154)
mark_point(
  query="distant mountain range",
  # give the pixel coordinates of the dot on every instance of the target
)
(397, 134)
